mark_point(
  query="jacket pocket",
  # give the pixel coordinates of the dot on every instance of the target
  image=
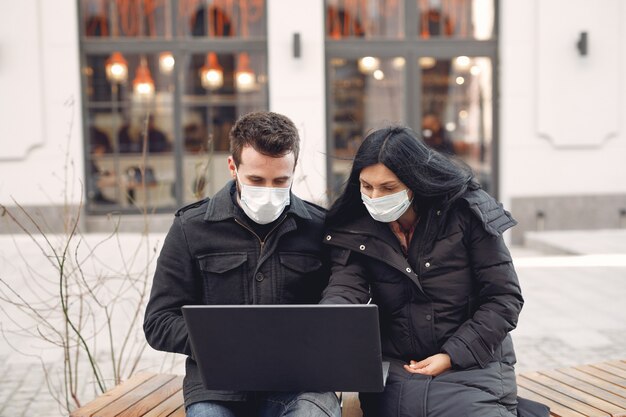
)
(299, 282)
(300, 262)
(224, 277)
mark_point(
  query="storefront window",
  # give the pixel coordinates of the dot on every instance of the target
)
(435, 76)
(222, 18)
(218, 89)
(457, 110)
(366, 93)
(468, 19)
(158, 109)
(124, 18)
(364, 19)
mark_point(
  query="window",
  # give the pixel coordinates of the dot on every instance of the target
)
(163, 82)
(423, 63)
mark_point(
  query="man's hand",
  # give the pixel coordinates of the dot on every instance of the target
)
(433, 365)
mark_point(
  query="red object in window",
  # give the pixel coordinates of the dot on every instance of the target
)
(143, 84)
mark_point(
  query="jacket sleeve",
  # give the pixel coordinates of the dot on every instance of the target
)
(499, 300)
(174, 285)
(348, 283)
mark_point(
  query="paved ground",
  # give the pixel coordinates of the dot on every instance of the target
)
(573, 313)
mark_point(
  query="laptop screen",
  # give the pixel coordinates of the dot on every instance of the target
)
(287, 347)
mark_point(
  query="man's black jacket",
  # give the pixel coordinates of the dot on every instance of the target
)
(213, 255)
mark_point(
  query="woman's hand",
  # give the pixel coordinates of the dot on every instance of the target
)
(433, 365)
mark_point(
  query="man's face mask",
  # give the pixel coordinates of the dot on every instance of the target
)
(263, 204)
(388, 208)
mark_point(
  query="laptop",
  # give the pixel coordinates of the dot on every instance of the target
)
(287, 347)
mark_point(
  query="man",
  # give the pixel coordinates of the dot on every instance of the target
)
(254, 242)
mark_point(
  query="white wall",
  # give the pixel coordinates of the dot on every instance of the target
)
(297, 86)
(40, 118)
(561, 114)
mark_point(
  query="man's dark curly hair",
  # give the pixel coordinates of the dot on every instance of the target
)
(269, 133)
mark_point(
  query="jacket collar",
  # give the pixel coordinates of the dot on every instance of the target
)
(366, 226)
(221, 206)
(490, 212)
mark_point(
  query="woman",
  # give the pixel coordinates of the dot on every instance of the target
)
(414, 233)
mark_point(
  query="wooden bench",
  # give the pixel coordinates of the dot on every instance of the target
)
(590, 390)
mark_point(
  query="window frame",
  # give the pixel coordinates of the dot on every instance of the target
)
(412, 47)
(181, 47)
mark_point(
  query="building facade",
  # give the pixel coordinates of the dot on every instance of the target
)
(117, 106)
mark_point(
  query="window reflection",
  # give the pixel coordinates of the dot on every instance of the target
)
(136, 142)
(364, 18)
(210, 110)
(456, 18)
(470, 19)
(124, 18)
(456, 108)
(130, 106)
(221, 18)
(366, 93)
(131, 133)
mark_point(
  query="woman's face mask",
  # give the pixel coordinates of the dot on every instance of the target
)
(388, 208)
(263, 204)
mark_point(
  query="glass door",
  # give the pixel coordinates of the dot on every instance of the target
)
(457, 110)
(426, 64)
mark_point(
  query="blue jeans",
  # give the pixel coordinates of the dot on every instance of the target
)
(273, 404)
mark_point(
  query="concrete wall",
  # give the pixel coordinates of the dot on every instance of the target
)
(40, 111)
(561, 113)
(297, 86)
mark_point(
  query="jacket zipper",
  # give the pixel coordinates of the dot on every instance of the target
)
(417, 271)
(261, 241)
(420, 259)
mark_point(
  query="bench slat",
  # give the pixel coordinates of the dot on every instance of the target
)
(562, 399)
(111, 395)
(168, 407)
(618, 364)
(141, 393)
(556, 409)
(605, 366)
(599, 373)
(180, 412)
(153, 400)
(593, 380)
(575, 392)
(591, 389)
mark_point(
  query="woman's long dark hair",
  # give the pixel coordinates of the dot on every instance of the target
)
(435, 179)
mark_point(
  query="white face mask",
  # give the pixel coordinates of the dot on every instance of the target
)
(263, 204)
(388, 208)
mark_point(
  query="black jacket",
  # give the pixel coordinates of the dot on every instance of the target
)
(212, 256)
(458, 294)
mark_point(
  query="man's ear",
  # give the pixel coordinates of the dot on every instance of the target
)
(232, 167)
